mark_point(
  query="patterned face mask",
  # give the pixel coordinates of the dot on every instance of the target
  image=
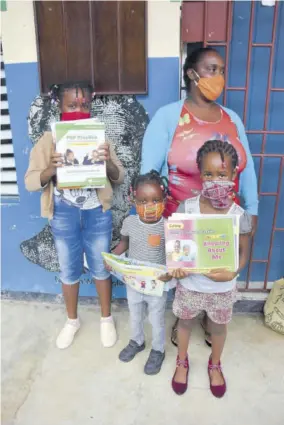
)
(152, 212)
(219, 193)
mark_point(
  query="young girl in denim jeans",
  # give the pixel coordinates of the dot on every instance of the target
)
(81, 220)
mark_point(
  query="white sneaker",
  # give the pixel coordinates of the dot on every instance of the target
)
(66, 336)
(108, 332)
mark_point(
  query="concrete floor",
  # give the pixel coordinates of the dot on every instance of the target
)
(87, 384)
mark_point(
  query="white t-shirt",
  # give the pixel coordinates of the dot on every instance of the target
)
(199, 282)
(85, 199)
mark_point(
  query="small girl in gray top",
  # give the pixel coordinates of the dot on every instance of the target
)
(143, 235)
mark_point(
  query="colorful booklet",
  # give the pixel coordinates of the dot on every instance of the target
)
(200, 243)
(139, 275)
(78, 141)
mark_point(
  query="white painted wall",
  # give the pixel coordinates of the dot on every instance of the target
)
(19, 40)
(163, 29)
(18, 32)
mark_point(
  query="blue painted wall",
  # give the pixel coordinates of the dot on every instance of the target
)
(263, 26)
(20, 220)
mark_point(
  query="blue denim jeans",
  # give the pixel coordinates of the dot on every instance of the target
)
(76, 232)
(138, 303)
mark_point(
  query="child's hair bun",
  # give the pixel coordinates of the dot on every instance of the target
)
(152, 177)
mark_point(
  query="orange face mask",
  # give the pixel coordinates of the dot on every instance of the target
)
(150, 212)
(211, 87)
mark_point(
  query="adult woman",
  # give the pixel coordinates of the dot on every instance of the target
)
(178, 130)
(80, 224)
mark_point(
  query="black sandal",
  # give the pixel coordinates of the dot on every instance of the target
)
(174, 334)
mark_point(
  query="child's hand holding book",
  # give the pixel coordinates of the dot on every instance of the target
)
(221, 275)
(104, 153)
(165, 277)
(179, 273)
(217, 275)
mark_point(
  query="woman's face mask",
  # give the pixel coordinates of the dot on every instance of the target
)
(210, 87)
(219, 193)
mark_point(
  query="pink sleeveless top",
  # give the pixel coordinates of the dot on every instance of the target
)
(191, 133)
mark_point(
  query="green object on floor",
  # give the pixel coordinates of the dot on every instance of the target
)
(274, 307)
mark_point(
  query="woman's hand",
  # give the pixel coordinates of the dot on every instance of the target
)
(221, 275)
(179, 273)
(56, 161)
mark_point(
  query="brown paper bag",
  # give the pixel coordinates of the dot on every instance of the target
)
(274, 307)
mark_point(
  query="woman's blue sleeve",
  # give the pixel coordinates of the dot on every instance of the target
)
(155, 144)
(248, 181)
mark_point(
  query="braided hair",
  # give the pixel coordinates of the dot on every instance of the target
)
(223, 148)
(192, 60)
(46, 108)
(152, 177)
(57, 91)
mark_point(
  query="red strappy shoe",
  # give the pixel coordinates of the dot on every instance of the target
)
(217, 390)
(178, 387)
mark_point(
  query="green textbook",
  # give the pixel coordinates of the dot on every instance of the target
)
(78, 142)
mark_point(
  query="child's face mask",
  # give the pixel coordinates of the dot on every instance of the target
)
(219, 193)
(150, 212)
(76, 115)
